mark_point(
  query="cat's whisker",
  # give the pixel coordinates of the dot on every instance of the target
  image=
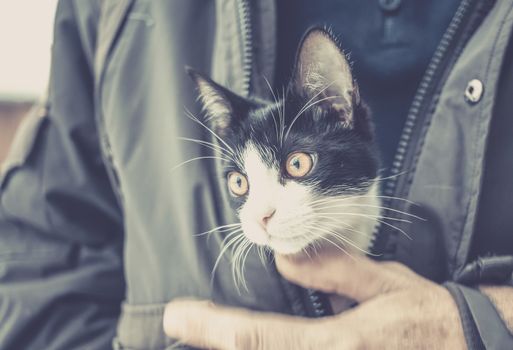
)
(363, 196)
(308, 107)
(222, 228)
(223, 151)
(243, 264)
(270, 110)
(370, 206)
(307, 234)
(224, 248)
(237, 251)
(314, 97)
(203, 142)
(177, 345)
(194, 118)
(234, 261)
(304, 107)
(276, 127)
(345, 224)
(331, 200)
(397, 199)
(354, 245)
(344, 240)
(337, 246)
(198, 158)
(334, 229)
(347, 227)
(282, 117)
(271, 90)
(229, 236)
(238, 154)
(395, 228)
(272, 113)
(377, 218)
(381, 179)
(238, 264)
(369, 216)
(316, 245)
(334, 226)
(336, 199)
(305, 251)
(261, 255)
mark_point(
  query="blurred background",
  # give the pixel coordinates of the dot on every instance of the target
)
(25, 41)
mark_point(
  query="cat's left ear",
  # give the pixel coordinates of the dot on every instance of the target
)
(222, 107)
(322, 75)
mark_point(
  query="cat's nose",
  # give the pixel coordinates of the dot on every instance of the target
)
(267, 217)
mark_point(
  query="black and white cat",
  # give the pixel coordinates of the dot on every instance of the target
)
(301, 170)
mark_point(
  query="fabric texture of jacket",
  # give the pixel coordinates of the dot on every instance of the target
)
(98, 232)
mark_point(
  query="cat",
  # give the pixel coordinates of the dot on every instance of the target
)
(302, 170)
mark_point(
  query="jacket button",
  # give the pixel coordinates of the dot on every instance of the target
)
(389, 5)
(474, 91)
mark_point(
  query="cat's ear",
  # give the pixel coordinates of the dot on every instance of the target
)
(221, 106)
(322, 75)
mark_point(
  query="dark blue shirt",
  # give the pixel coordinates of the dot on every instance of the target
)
(389, 41)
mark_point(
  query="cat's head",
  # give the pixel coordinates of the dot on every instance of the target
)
(301, 168)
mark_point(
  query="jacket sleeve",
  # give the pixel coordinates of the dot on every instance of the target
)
(61, 272)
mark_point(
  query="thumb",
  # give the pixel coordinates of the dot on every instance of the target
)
(204, 325)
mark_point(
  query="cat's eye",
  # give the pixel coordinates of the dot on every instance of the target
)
(237, 183)
(299, 164)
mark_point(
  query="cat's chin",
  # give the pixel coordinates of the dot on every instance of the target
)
(280, 245)
(284, 246)
(287, 249)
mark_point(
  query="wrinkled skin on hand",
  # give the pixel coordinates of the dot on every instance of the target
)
(397, 309)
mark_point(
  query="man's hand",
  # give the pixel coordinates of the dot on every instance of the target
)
(398, 310)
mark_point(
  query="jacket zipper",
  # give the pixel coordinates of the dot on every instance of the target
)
(446, 53)
(247, 40)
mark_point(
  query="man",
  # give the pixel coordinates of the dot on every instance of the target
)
(92, 216)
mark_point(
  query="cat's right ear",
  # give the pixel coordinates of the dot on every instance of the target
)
(220, 105)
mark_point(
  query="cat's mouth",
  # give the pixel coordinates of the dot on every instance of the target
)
(279, 243)
(288, 240)
(281, 239)
(289, 245)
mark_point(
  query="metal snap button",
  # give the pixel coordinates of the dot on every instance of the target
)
(474, 91)
(390, 5)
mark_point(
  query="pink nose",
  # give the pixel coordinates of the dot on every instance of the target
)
(267, 217)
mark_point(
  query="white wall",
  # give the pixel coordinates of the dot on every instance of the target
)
(26, 28)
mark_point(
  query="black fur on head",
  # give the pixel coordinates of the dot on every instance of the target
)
(321, 113)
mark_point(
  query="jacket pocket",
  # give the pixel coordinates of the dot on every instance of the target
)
(23, 142)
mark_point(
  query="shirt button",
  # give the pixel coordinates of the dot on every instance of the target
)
(389, 5)
(474, 91)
